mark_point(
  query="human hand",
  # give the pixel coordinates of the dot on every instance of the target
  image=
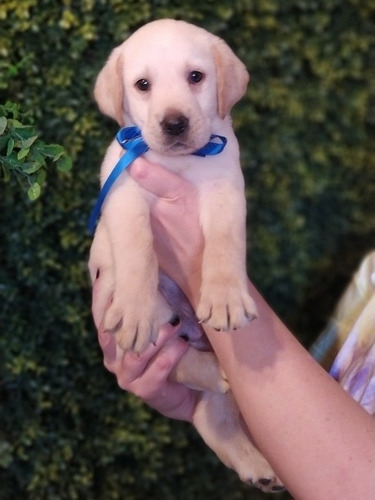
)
(147, 375)
(178, 238)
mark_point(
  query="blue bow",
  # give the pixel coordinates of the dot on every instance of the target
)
(130, 138)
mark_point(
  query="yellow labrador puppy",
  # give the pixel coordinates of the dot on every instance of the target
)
(177, 83)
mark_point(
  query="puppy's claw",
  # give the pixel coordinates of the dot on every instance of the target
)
(271, 484)
(114, 330)
(251, 317)
(204, 316)
(250, 309)
(225, 305)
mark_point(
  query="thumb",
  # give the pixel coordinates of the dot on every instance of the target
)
(158, 180)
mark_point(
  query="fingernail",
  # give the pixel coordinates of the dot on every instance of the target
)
(175, 320)
(109, 347)
(138, 170)
(104, 337)
(133, 356)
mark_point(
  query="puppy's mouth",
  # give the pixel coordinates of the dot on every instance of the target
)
(173, 148)
(180, 148)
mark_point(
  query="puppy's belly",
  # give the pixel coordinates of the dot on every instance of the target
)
(180, 306)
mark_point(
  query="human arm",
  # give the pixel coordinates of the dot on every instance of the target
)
(317, 438)
(319, 441)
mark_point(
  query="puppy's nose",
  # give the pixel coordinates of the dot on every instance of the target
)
(175, 124)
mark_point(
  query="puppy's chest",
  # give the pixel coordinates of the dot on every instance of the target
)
(195, 169)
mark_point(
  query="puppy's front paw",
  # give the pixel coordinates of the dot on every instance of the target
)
(225, 304)
(135, 323)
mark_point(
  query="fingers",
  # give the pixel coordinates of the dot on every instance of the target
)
(157, 360)
(158, 180)
(143, 374)
(146, 375)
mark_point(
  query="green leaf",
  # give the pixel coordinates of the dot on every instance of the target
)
(25, 133)
(52, 150)
(34, 191)
(11, 107)
(3, 141)
(11, 161)
(64, 164)
(31, 167)
(28, 142)
(23, 153)
(3, 124)
(37, 157)
(10, 146)
(17, 124)
(6, 173)
(41, 176)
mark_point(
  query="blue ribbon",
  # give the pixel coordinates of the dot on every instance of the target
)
(130, 138)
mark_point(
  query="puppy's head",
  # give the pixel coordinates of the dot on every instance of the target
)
(172, 80)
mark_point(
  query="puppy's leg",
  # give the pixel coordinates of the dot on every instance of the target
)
(225, 303)
(201, 371)
(101, 267)
(133, 313)
(217, 419)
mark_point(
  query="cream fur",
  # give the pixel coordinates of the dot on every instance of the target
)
(164, 53)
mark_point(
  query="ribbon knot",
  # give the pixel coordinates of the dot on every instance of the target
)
(130, 138)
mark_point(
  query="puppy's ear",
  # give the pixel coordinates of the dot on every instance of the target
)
(232, 77)
(108, 90)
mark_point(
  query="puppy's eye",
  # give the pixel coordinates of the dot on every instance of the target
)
(143, 85)
(195, 77)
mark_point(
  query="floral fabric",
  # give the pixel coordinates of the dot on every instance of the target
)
(351, 337)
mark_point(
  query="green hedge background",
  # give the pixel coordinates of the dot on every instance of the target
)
(306, 132)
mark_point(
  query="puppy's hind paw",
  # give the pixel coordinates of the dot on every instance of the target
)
(268, 484)
(257, 472)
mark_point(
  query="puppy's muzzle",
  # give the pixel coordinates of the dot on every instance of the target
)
(174, 124)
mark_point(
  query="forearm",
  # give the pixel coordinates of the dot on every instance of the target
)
(320, 442)
(318, 439)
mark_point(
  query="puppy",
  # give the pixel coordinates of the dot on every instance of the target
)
(177, 83)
